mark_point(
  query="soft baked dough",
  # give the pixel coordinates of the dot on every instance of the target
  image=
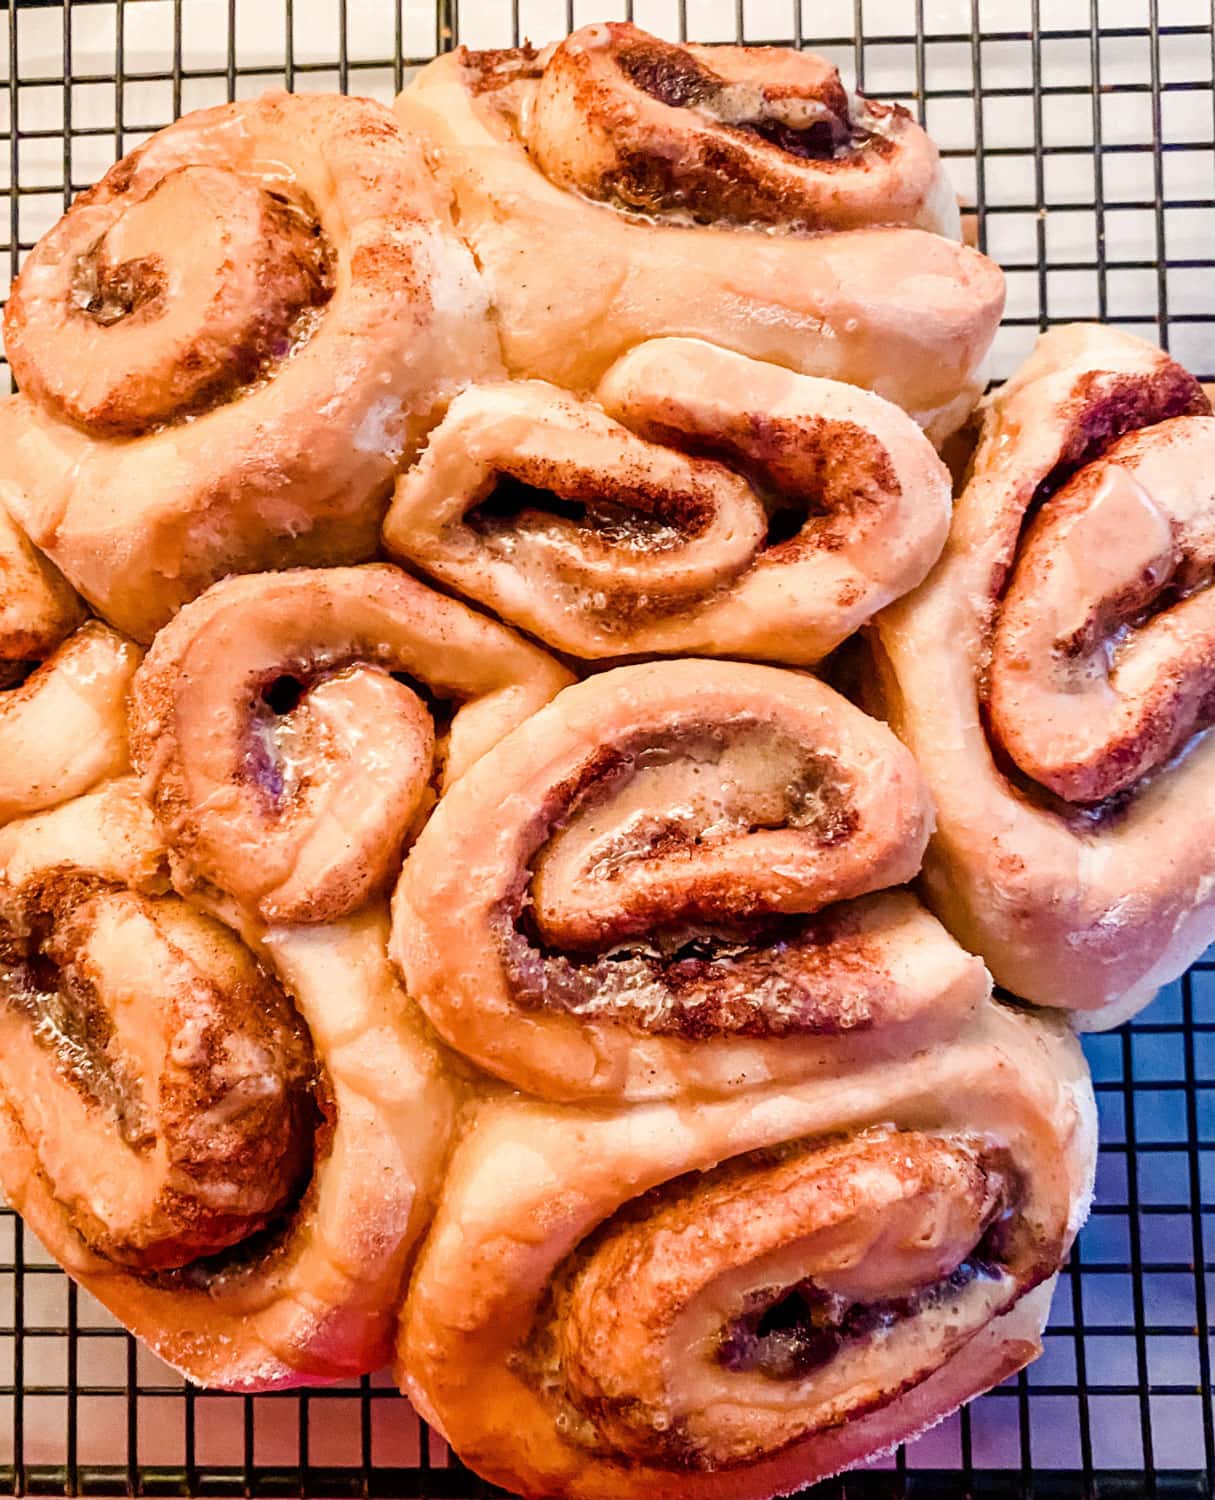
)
(643, 522)
(682, 876)
(299, 810)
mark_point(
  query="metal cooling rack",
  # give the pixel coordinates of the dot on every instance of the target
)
(1082, 132)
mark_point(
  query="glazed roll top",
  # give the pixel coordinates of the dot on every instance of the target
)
(161, 1078)
(743, 1296)
(234, 1154)
(680, 876)
(1053, 677)
(101, 333)
(756, 135)
(293, 728)
(225, 347)
(704, 502)
(616, 187)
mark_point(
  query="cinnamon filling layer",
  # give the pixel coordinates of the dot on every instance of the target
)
(791, 1332)
(792, 976)
(717, 963)
(677, 79)
(14, 673)
(515, 509)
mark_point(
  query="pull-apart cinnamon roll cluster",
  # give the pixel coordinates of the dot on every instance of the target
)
(447, 913)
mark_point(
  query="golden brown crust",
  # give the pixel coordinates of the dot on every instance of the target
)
(226, 346)
(705, 502)
(588, 1315)
(576, 283)
(677, 877)
(159, 1076)
(313, 1296)
(745, 135)
(300, 811)
(1051, 665)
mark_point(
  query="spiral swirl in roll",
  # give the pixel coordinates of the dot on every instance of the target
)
(285, 761)
(238, 1180)
(603, 528)
(679, 876)
(752, 135)
(63, 685)
(226, 346)
(744, 1295)
(616, 188)
(1054, 679)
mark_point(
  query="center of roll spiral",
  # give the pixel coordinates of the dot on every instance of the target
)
(516, 508)
(108, 292)
(811, 126)
(1100, 666)
(640, 824)
(791, 1332)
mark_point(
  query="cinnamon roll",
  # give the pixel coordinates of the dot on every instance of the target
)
(237, 1177)
(63, 685)
(748, 135)
(1053, 679)
(680, 876)
(616, 187)
(744, 1295)
(291, 728)
(603, 528)
(226, 347)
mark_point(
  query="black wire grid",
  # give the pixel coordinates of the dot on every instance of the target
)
(1081, 131)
